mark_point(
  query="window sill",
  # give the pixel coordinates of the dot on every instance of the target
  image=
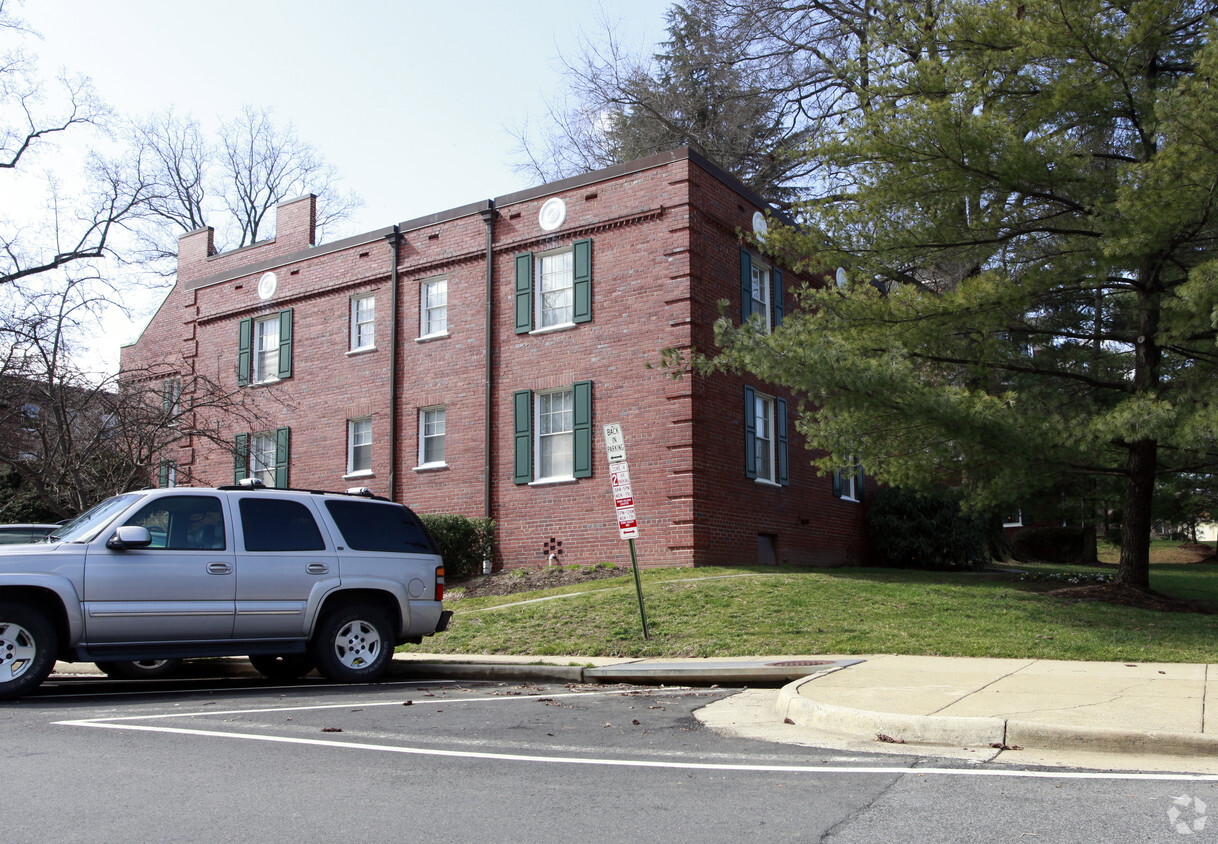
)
(848, 499)
(265, 382)
(550, 329)
(362, 350)
(429, 467)
(366, 473)
(427, 338)
(764, 482)
(552, 481)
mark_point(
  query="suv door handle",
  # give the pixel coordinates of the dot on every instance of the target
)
(219, 568)
(317, 568)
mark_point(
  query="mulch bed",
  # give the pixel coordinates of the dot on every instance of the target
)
(527, 580)
(1129, 596)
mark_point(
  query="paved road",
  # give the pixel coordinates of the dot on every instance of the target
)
(234, 759)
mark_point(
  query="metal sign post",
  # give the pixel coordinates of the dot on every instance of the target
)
(623, 501)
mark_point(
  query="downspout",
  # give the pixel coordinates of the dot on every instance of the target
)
(489, 215)
(395, 241)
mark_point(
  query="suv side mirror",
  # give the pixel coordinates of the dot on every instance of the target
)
(129, 536)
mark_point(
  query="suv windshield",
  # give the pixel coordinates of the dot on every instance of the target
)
(90, 523)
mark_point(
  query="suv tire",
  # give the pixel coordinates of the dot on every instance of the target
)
(282, 667)
(353, 644)
(28, 647)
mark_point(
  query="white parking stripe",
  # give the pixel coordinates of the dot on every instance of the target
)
(114, 724)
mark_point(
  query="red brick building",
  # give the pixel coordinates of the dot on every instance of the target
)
(467, 362)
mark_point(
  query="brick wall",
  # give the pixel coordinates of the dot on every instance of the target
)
(665, 249)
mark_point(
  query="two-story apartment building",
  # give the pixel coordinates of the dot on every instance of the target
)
(467, 362)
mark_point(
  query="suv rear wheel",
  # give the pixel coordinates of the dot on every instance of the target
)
(353, 644)
(28, 644)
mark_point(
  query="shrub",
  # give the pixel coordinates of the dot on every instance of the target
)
(464, 542)
(926, 530)
(1050, 544)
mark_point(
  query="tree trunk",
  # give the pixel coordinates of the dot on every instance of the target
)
(1134, 569)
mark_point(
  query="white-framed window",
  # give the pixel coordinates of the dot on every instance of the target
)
(848, 482)
(763, 439)
(167, 474)
(431, 436)
(761, 292)
(433, 307)
(171, 399)
(1013, 518)
(262, 458)
(363, 322)
(359, 446)
(555, 289)
(555, 426)
(266, 349)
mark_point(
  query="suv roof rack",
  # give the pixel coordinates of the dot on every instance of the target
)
(258, 484)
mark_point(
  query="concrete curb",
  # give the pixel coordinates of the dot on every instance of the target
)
(487, 671)
(960, 731)
(911, 729)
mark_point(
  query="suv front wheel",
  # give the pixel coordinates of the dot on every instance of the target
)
(353, 644)
(28, 644)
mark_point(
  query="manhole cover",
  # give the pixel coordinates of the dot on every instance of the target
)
(800, 663)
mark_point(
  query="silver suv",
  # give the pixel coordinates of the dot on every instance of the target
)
(293, 579)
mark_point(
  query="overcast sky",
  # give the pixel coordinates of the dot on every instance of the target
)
(411, 101)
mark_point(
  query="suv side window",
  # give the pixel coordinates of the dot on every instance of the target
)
(183, 522)
(277, 524)
(373, 526)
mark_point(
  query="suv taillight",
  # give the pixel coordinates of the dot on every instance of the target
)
(439, 583)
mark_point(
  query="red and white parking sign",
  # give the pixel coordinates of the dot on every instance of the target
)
(619, 476)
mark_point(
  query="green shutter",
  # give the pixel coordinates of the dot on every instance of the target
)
(522, 427)
(285, 344)
(524, 293)
(162, 475)
(167, 396)
(282, 443)
(582, 429)
(746, 286)
(858, 483)
(750, 432)
(582, 281)
(780, 441)
(245, 351)
(241, 457)
(837, 483)
(776, 296)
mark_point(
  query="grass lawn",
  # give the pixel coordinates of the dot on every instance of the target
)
(755, 611)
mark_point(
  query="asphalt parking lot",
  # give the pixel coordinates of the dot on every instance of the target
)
(235, 758)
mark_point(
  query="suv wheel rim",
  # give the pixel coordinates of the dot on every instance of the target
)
(357, 644)
(17, 651)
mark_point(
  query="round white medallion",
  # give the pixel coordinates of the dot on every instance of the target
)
(266, 285)
(842, 278)
(760, 227)
(552, 215)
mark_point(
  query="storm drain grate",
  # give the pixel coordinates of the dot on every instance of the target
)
(799, 663)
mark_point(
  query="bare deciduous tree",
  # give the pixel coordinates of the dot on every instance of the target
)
(746, 83)
(54, 227)
(73, 438)
(233, 183)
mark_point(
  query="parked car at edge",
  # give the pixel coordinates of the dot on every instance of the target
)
(292, 579)
(16, 534)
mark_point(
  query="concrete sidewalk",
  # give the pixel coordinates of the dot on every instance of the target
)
(1085, 714)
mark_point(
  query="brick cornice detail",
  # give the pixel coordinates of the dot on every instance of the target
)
(280, 304)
